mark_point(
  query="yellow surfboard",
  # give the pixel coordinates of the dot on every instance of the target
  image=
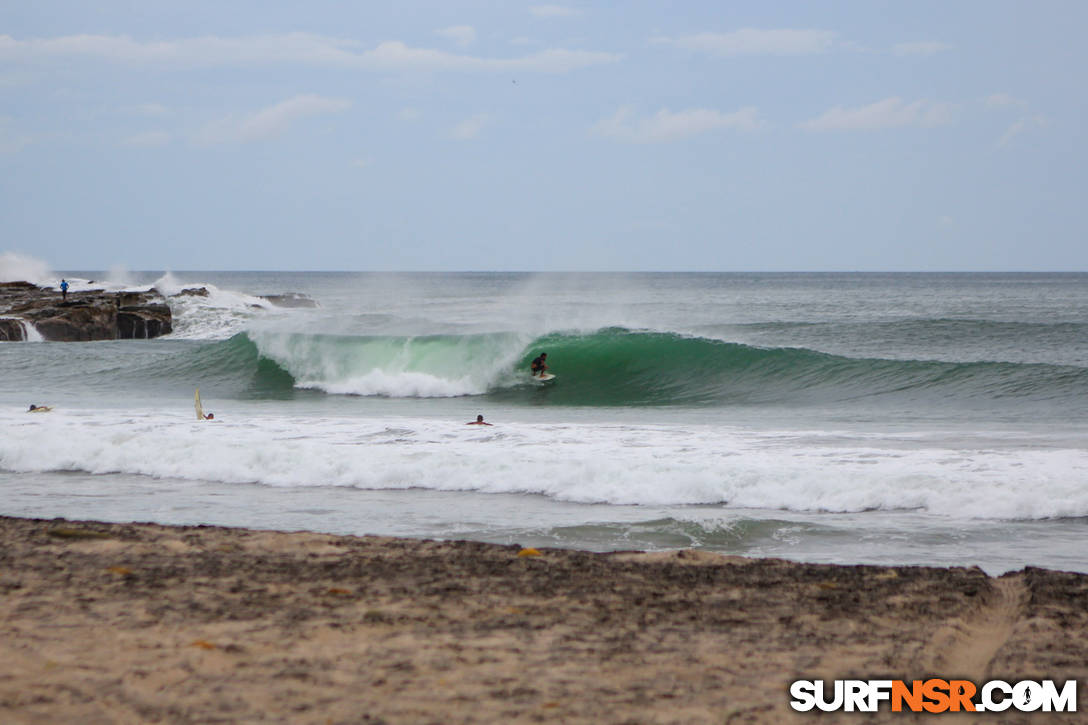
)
(199, 407)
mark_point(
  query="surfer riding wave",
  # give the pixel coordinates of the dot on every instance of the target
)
(538, 365)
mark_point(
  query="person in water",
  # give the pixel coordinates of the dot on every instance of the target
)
(479, 421)
(538, 365)
(64, 290)
(39, 409)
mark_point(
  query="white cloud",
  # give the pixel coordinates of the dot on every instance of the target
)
(463, 35)
(889, 113)
(149, 109)
(1003, 100)
(286, 49)
(397, 56)
(920, 47)
(666, 125)
(268, 122)
(751, 41)
(553, 11)
(470, 128)
(149, 139)
(1019, 126)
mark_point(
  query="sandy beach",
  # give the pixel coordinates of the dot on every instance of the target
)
(135, 623)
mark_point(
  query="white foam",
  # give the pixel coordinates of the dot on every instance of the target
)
(216, 316)
(30, 332)
(628, 465)
(399, 385)
(393, 366)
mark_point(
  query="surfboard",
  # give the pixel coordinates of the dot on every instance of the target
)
(198, 406)
(544, 377)
(41, 409)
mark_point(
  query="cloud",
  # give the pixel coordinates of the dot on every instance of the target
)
(463, 35)
(1003, 100)
(666, 125)
(149, 109)
(470, 128)
(889, 113)
(920, 47)
(1019, 127)
(268, 122)
(149, 139)
(397, 56)
(553, 11)
(285, 49)
(750, 41)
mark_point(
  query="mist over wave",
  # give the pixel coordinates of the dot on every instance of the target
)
(15, 267)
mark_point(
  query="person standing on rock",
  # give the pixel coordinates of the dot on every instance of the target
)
(64, 290)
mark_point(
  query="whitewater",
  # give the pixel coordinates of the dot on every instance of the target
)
(927, 419)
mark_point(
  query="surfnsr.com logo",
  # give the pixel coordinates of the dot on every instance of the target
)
(934, 695)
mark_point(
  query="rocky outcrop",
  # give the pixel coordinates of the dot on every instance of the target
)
(91, 315)
(290, 299)
(11, 330)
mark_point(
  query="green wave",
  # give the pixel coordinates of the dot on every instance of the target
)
(609, 367)
(623, 367)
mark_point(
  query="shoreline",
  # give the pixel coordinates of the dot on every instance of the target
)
(147, 622)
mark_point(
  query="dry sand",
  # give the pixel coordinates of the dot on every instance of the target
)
(141, 623)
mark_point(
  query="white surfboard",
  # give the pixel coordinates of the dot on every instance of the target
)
(544, 377)
(198, 406)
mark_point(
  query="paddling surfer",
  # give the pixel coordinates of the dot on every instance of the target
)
(479, 421)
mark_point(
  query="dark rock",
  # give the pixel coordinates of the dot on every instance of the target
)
(290, 299)
(11, 330)
(192, 292)
(143, 322)
(91, 315)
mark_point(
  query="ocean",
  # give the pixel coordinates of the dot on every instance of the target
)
(933, 419)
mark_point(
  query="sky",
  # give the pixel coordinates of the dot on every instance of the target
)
(478, 135)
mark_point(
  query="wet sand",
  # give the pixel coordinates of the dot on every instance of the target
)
(141, 623)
